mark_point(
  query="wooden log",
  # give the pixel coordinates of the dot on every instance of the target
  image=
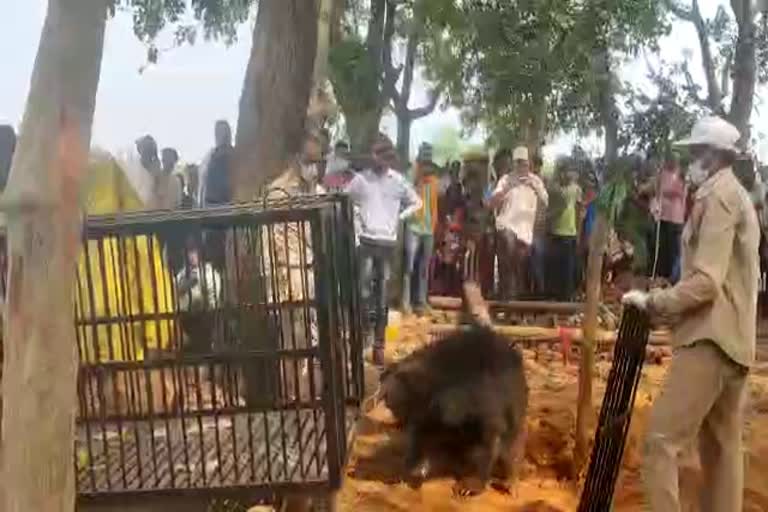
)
(560, 308)
(548, 335)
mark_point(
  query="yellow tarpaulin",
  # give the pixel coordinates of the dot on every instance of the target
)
(123, 285)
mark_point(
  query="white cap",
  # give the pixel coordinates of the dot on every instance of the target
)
(715, 132)
(520, 153)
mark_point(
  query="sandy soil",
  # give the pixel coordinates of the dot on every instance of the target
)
(374, 480)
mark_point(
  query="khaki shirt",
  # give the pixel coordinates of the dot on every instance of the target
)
(716, 298)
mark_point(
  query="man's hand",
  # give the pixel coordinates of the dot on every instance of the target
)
(636, 298)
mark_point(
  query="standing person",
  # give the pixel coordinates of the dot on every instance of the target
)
(168, 194)
(715, 304)
(190, 183)
(515, 199)
(168, 189)
(452, 208)
(216, 169)
(385, 199)
(338, 171)
(453, 197)
(478, 222)
(141, 167)
(420, 234)
(565, 202)
(539, 247)
(671, 198)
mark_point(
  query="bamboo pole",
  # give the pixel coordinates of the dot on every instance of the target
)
(537, 334)
(562, 308)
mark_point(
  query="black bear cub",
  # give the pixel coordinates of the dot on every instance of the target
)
(465, 396)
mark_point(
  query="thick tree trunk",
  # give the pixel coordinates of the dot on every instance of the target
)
(278, 82)
(362, 129)
(41, 202)
(744, 68)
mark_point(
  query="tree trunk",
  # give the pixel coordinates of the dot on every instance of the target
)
(321, 104)
(744, 68)
(42, 205)
(278, 82)
(584, 413)
(599, 239)
(404, 122)
(362, 129)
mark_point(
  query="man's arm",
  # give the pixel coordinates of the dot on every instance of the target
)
(502, 187)
(537, 185)
(710, 262)
(354, 189)
(410, 200)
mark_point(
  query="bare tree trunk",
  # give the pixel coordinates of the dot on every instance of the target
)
(278, 82)
(584, 412)
(42, 204)
(744, 68)
(599, 239)
(401, 99)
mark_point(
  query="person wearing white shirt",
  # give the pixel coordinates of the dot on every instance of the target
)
(140, 167)
(385, 199)
(516, 198)
(199, 289)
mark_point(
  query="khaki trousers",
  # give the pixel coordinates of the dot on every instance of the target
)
(704, 395)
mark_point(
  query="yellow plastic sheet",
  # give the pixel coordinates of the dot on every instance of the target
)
(123, 285)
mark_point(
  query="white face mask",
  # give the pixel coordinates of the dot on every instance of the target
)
(698, 172)
(337, 164)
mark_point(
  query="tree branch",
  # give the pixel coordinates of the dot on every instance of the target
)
(427, 109)
(388, 78)
(679, 11)
(409, 68)
(714, 92)
(389, 85)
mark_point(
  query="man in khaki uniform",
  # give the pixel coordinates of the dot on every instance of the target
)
(715, 307)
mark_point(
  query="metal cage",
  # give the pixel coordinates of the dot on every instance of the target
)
(220, 351)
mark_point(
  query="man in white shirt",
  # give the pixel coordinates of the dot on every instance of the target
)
(516, 198)
(384, 198)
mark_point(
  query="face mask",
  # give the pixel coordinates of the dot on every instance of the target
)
(337, 164)
(698, 172)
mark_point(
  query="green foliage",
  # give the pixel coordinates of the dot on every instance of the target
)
(617, 187)
(525, 69)
(217, 19)
(447, 145)
(654, 123)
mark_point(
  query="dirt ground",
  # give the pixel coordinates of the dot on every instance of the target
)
(374, 480)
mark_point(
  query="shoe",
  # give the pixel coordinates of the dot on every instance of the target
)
(406, 310)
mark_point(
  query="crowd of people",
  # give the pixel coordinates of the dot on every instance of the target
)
(500, 222)
(519, 234)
